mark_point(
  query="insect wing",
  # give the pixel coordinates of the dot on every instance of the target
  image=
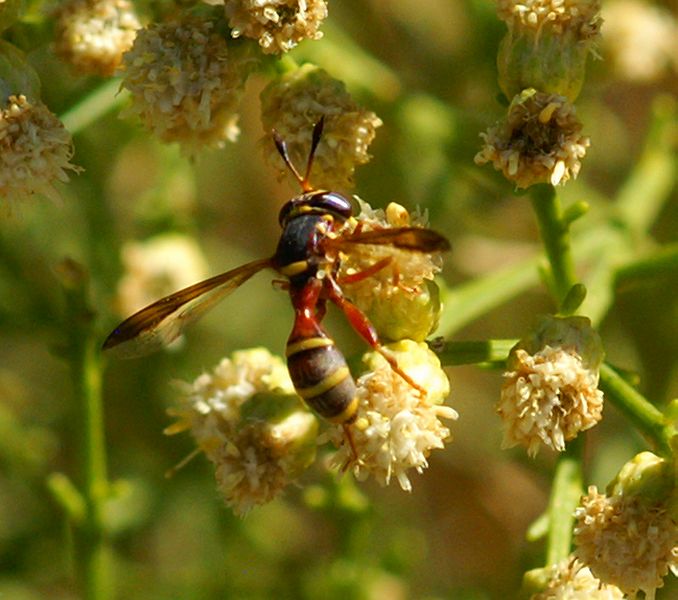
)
(416, 239)
(165, 320)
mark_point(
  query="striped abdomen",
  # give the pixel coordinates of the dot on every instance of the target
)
(321, 377)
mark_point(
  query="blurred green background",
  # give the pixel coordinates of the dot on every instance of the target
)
(428, 70)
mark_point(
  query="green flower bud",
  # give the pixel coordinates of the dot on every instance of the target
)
(546, 46)
(570, 333)
(407, 315)
(647, 476)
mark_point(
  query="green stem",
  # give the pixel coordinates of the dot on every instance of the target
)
(647, 418)
(469, 353)
(565, 494)
(100, 101)
(91, 543)
(555, 235)
(472, 299)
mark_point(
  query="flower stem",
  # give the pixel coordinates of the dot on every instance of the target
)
(641, 412)
(473, 352)
(555, 235)
(99, 102)
(565, 494)
(92, 552)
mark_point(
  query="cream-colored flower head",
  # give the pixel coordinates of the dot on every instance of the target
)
(35, 151)
(581, 16)
(401, 300)
(539, 142)
(550, 392)
(640, 40)
(278, 25)
(396, 428)
(247, 420)
(92, 35)
(186, 82)
(547, 44)
(157, 267)
(629, 535)
(571, 580)
(294, 103)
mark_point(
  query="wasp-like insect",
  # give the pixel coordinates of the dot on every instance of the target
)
(308, 256)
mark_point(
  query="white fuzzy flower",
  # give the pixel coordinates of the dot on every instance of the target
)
(548, 398)
(247, 420)
(396, 428)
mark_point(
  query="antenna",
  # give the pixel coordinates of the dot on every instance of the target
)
(281, 146)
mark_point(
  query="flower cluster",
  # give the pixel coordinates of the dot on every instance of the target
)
(396, 427)
(400, 298)
(539, 142)
(35, 150)
(628, 537)
(550, 393)
(186, 82)
(278, 25)
(571, 580)
(92, 35)
(295, 102)
(541, 64)
(245, 418)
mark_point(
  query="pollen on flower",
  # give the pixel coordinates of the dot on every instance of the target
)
(580, 16)
(157, 267)
(571, 580)
(278, 25)
(539, 142)
(245, 417)
(400, 298)
(548, 398)
(92, 35)
(295, 102)
(35, 151)
(396, 428)
(186, 83)
(626, 540)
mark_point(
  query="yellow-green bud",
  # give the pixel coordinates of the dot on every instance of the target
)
(646, 476)
(573, 333)
(405, 314)
(420, 363)
(546, 46)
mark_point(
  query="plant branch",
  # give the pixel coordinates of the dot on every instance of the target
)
(91, 543)
(555, 235)
(565, 493)
(646, 417)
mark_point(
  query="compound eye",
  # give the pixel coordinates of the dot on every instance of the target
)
(334, 203)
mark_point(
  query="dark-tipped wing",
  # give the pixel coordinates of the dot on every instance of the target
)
(163, 321)
(416, 239)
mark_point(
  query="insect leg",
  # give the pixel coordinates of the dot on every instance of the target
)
(365, 329)
(365, 273)
(349, 438)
